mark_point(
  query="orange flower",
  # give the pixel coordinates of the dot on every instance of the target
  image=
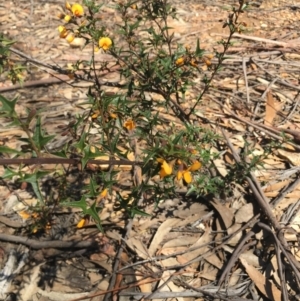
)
(62, 31)
(67, 18)
(179, 61)
(186, 173)
(113, 115)
(194, 63)
(70, 38)
(68, 6)
(81, 223)
(207, 59)
(60, 15)
(195, 166)
(129, 125)
(95, 114)
(103, 194)
(77, 10)
(166, 169)
(105, 43)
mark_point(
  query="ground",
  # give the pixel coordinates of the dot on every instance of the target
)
(183, 250)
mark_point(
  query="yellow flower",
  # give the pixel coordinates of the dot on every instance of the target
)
(166, 169)
(67, 18)
(77, 10)
(195, 166)
(105, 43)
(113, 115)
(179, 61)
(194, 63)
(129, 125)
(188, 48)
(68, 6)
(70, 38)
(95, 114)
(207, 59)
(81, 223)
(61, 15)
(103, 194)
(24, 214)
(186, 173)
(62, 31)
(71, 75)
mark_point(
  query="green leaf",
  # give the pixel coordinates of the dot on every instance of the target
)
(5, 42)
(61, 154)
(92, 188)
(199, 52)
(9, 173)
(86, 156)
(81, 143)
(8, 107)
(78, 204)
(136, 210)
(38, 136)
(92, 211)
(8, 150)
(33, 180)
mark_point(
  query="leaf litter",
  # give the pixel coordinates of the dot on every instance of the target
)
(187, 244)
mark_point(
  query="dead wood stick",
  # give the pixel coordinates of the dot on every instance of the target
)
(235, 256)
(137, 181)
(269, 130)
(242, 36)
(57, 244)
(183, 294)
(31, 59)
(264, 205)
(11, 223)
(256, 189)
(279, 248)
(37, 161)
(36, 83)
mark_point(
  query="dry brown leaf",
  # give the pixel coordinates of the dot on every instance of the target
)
(237, 126)
(161, 232)
(271, 108)
(145, 284)
(265, 286)
(221, 167)
(226, 214)
(201, 242)
(235, 277)
(244, 213)
(293, 158)
(237, 237)
(215, 261)
(137, 246)
(277, 186)
(179, 242)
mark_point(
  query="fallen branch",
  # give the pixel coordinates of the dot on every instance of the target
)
(33, 161)
(57, 244)
(36, 83)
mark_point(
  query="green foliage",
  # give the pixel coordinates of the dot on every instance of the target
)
(156, 73)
